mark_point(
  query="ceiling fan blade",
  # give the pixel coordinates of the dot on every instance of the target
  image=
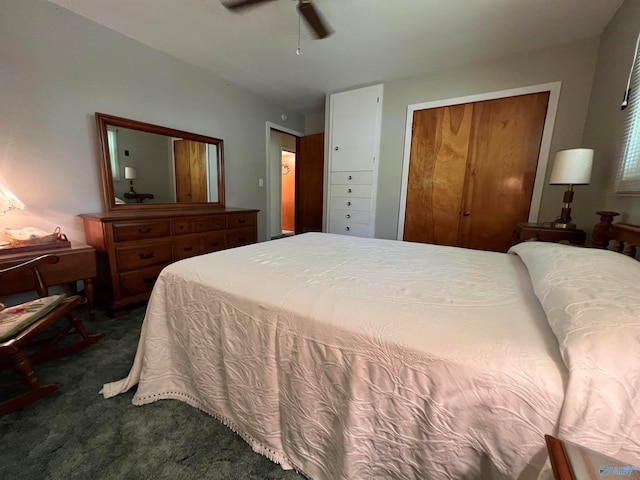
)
(313, 18)
(239, 5)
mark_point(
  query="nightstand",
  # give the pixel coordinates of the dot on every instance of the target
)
(571, 461)
(544, 233)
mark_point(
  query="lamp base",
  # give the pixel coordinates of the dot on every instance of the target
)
(566, 226)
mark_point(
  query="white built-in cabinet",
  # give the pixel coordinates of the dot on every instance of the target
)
(353, 151)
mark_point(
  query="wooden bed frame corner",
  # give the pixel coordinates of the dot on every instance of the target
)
(626, 237)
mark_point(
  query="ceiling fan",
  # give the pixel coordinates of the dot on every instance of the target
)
(306, 9)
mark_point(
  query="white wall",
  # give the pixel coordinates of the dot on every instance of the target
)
(603, 129)
(573, 64)
(57, 69)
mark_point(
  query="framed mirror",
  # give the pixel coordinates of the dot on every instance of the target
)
(148, 166)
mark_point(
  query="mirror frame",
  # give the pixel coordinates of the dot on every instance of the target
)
(108, 193)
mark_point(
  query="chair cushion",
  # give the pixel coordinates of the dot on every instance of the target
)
(15, 319)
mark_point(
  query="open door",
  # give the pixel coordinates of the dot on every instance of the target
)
(309, 183)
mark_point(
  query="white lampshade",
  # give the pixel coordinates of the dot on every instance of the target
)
(572, 167)
(8, 200)
(130, 173)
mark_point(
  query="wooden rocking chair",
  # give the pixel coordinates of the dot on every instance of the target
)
(22, 348)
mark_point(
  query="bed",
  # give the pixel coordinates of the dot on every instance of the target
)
(344, 357)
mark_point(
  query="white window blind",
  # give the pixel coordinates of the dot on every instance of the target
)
(628, 175)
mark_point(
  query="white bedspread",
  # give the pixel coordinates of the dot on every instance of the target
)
(359, 358)
(592, 301)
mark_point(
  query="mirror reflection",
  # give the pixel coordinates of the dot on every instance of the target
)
(149, 165)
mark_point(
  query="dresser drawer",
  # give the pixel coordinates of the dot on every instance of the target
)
(188, 247)
(137, 231)
(214, 242)
(351, 216)
(207, 224)
(245, 220)
(361, 191)
(350, 228)
(131, 258)
(239, 237)
(181, 227)
(352, 178)
(139, 281)
(346, 203)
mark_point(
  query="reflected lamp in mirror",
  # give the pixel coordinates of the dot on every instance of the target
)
(130, 173)
(570, 167)
(8, 201)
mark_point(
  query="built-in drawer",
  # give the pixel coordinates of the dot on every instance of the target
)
(188, 247)
(241, 236)
(215, 241)
(206, 224)
(354, 216)
(352, 178)
(140, 230)
(243, 220)
(139, 281)
(346, 203)
(131, 258)
(350, 228)
(361, 191)
(181, 227)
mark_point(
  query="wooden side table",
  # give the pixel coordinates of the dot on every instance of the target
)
(544, 233)
(571, 461)
(76, 263)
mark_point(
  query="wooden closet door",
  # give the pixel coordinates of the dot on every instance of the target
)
(472, 169)
(191, 171)
(503, 158)
(439, 147)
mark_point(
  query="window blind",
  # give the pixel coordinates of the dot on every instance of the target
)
(628, 175)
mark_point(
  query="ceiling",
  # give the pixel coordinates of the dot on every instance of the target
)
(374, 40)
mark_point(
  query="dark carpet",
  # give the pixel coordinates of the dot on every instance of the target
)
(76, 433)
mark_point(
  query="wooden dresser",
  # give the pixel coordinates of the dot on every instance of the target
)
(134, 246)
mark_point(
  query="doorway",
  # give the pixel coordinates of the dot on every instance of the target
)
(288, 192)
(294, 199)
(281, 186)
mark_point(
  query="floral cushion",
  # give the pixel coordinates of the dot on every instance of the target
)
(17, 318)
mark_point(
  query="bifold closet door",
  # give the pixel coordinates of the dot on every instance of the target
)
(191, 171)
(472, 170)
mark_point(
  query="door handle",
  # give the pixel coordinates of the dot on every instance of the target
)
(466, 214)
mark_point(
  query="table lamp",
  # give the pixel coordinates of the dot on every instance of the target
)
(8, 201)
(130, 173)
(570, 167)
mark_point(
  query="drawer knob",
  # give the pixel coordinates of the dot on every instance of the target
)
(348, 215)
(350, 177)
(242, 220)
(347, 228)
(144, 230)
(348, 203)
(335, 148)
(242, 239)
(146, 256)
(149, 279)
(348, 190)
(214, 244)
(188, 249)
